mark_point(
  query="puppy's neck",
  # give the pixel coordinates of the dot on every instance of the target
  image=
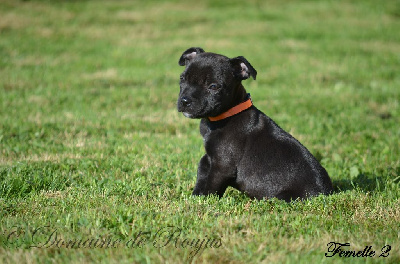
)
(243, 102)
(240, 95)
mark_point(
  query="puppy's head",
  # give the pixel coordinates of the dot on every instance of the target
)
(209, 82)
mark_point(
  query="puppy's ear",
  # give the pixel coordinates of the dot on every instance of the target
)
(189, 55)
(242, 69)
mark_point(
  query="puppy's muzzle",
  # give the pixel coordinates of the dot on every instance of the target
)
(184, 104)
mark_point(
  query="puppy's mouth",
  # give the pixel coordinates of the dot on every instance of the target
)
(193, 114)
(193, 111)
(188, 115)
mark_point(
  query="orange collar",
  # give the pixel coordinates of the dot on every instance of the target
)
(233, 111)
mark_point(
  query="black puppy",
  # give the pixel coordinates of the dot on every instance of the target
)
(245, 149)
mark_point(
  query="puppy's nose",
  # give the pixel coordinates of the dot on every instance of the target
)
(186, 101)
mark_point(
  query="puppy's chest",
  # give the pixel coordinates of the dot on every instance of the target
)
(223, 146)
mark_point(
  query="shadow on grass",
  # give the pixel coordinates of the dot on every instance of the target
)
(365, 182)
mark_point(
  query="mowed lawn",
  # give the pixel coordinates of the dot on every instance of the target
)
(97, 165)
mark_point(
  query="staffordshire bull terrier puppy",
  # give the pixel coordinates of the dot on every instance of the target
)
(245, 148)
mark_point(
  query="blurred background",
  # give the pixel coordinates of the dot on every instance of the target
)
(327, 70)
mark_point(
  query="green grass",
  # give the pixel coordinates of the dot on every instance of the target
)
(92, 147)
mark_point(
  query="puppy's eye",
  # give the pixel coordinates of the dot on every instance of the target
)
(182, 78)
(213, 86)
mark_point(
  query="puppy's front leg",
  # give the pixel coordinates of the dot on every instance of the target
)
(210, 180)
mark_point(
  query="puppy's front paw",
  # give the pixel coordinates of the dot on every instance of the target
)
(197, 192)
